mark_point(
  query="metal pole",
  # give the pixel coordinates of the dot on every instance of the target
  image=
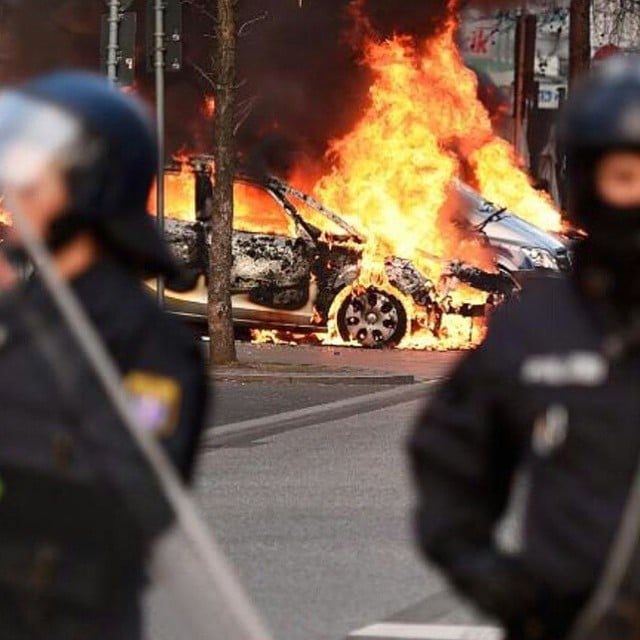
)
(520, 108)
(112, 46)
(159, 58)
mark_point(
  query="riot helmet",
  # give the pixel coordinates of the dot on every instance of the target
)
(103, 141)
(602, 116)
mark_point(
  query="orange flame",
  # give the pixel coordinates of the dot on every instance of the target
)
(392, 174)
(209, 106)
(392, 178)
(5, 216)
(255, 210)
(179, 192)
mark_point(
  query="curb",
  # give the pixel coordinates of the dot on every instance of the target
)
(318, 414)
(300, 377)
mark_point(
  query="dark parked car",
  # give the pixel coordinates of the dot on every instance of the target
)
(521, 249)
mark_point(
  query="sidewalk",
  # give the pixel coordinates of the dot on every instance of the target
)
(335, 365)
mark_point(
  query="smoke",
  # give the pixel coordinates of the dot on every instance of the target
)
(304, 68)
(301, 81)
(414, 18)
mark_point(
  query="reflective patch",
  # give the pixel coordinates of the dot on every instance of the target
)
(630, 121)
(579, 368)
(550, 430)
(155, 401)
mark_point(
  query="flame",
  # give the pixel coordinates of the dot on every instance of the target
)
(179, 191)
(392, 174)
(493, 165)
(5, 216)
(392, 177)
(209, 107)
(255, 210)
(287, 338)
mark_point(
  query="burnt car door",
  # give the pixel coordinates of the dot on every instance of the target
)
(272, 263)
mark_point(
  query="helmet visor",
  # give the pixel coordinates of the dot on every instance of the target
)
(34, 136)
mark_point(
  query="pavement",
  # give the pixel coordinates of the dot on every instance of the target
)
(335, 365)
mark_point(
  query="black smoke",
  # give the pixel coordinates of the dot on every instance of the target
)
(300, 75)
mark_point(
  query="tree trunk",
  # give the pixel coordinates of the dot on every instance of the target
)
(579, 38)
(222, 345)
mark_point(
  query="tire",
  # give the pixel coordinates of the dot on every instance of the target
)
(373, 318)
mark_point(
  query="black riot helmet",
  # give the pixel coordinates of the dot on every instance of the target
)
(104, 142)
(602, 115)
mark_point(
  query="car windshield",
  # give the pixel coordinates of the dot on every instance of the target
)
(257, 211)
(317, 218)
(482, 212)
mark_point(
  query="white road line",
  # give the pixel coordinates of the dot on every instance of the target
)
(401, 631)
(321, 413)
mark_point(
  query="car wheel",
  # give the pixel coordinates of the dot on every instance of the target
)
(372, 318)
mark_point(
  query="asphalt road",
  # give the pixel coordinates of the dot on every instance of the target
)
(316, 521)
(236, 402)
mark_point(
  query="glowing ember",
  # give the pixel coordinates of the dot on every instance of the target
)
(288, 338)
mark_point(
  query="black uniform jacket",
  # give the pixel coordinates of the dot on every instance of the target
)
(69, 540)
(540, 398)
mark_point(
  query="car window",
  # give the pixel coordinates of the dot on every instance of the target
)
(317, 219)
(179, 195)
(257, 211)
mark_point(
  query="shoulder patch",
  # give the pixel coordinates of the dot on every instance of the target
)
(155, 401)
(577, 368)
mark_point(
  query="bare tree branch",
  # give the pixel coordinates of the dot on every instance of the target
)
(207, 76)
(201, 7)
(245, 111)
(242, 31)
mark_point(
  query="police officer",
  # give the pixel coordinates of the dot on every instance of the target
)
(551, 398)
(77, 158)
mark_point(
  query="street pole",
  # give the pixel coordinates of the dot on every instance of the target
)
(579, 39)
(519, 94)
(159, 57)
(112, 46)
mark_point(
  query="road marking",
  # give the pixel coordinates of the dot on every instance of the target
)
(401, 631)
(316, 414)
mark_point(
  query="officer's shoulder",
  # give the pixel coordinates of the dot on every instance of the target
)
(163, 328)
(130, 310)
(542, 307)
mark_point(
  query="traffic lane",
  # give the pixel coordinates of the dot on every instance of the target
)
(317, 521)
(236, 402)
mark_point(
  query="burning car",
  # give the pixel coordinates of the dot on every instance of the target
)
(307, 277)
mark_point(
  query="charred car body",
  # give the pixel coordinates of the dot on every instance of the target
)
(291, 282)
